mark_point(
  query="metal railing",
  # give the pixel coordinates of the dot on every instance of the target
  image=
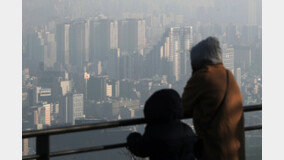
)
(42, 136)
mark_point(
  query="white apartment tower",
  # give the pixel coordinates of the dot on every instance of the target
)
(176, 50)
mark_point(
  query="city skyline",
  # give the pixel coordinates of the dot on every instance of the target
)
(79, 69)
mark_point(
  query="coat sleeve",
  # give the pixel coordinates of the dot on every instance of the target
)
(190, 96)
(138, 144)
(203, 92)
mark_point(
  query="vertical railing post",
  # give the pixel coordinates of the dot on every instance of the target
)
(42, 147)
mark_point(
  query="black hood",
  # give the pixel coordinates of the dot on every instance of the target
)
(206, 52)
(163, 106)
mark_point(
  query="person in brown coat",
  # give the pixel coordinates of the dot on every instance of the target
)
(213, 99)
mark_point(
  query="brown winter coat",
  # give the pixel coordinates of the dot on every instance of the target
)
(223, 136)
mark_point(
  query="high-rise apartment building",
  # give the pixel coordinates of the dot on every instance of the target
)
(42, 114)
(103, 37)
(176, 49)
(47, 109)
(62, 43)
(116, 89)
(77, 44)
(87, 40)
(231, 33)
(44, 94)
(71, 108)
(49, 51)
(109, 90)
(112, 64)
(141, 29)
(96, 88)
(35, 51)
(66, 87)
(41, 95)
(25, 144)
(228, 57)
(186, 44)
(242, 57)
(113, 35)
(238, 76)
(75, 107)
(131, 66)
(131, 35)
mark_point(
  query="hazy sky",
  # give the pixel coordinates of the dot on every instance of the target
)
(219, 11)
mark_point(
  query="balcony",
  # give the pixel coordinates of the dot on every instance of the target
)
(43, 136)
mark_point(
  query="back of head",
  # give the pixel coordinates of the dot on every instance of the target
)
(163, 106)
(206, 52)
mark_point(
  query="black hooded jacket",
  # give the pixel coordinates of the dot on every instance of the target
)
(165, 136)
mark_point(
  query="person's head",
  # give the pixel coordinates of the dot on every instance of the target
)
(206, 52)
(163, 106)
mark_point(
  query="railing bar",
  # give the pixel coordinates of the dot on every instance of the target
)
(79, 128)
(257, 127)
(120, 145)
(90, 149)
(252, 108)
(104, 125)
(106, 147)
(30, 157)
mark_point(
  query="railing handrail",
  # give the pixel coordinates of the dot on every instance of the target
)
(105, 125)
(104, 147)
(42, 136)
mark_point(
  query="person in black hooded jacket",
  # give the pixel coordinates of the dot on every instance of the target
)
(165, 136)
